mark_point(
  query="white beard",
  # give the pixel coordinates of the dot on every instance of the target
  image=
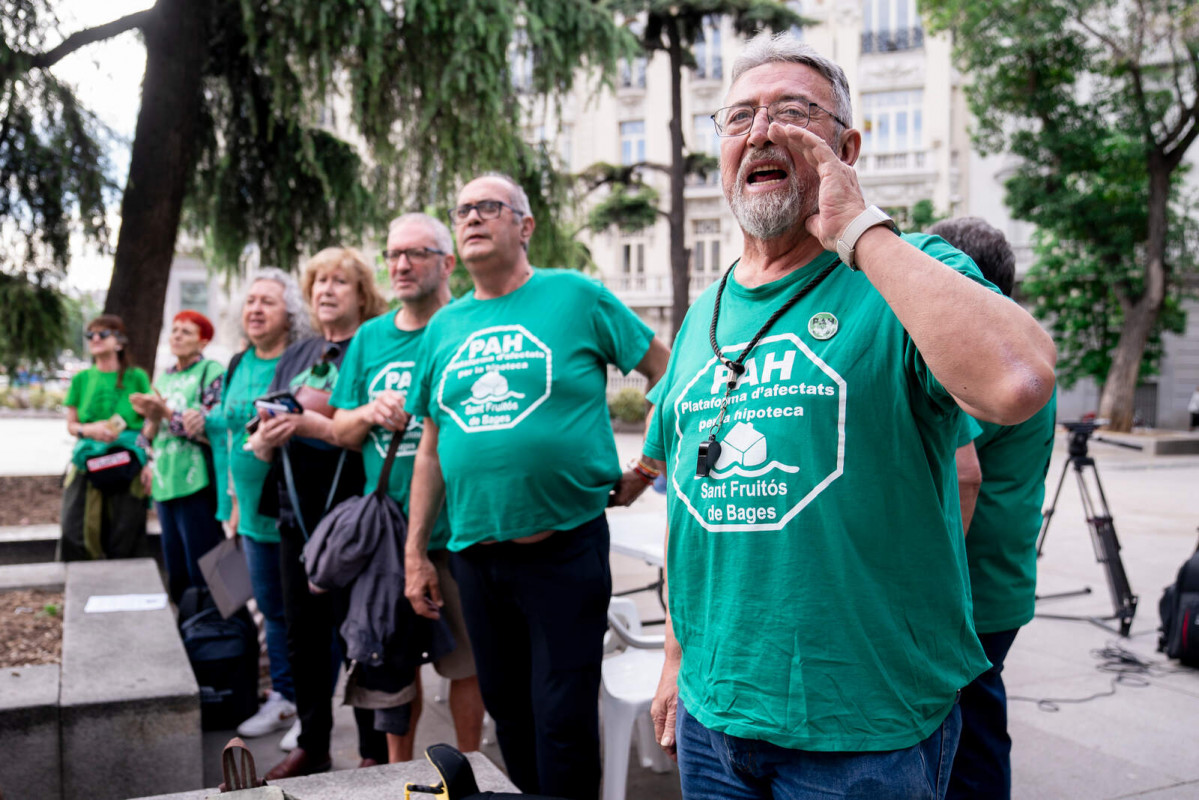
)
(771, 215)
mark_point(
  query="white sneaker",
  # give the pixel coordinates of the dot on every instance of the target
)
(277, 712)
(291, 739)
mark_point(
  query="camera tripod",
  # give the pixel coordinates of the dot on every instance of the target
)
(1103, 532)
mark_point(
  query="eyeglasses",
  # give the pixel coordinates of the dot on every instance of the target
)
(488, 209)
(737, 120)
(104, 334)
(415, 255)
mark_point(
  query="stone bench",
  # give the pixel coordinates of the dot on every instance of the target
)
(121, 717)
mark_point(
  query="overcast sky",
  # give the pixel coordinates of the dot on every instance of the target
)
(107, 77)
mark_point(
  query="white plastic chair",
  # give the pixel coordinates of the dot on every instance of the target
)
(630, 679)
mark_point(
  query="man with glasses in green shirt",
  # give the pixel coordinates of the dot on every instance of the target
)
(511, 384)
(1001, 543)
(819, 623)
(369, 397)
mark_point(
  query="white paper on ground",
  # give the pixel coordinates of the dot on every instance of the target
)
(101, 603)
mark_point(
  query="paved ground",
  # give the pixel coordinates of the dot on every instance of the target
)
(1137, 742)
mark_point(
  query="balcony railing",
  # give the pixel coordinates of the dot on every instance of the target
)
(892, 162)
(643, 286)
(893, 41)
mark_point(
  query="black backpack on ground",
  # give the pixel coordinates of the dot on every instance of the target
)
(1179, 607)
(224, 657)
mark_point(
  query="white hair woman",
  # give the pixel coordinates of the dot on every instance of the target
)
(272, 317)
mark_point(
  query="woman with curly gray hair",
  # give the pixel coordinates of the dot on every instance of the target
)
(273, 316)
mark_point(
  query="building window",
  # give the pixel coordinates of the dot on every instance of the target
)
(566, 140)
(633, 259)
(797, 7)
(708, 63)
(632, 142)
(632, 73)
(520, 61)
(705, 249)
(892, 125)
(193, 296)
(704, 140)
(890, 25)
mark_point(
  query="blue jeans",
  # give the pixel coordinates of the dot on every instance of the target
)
(189, 530)
(713, 766)
(267, 580)
(983, 765)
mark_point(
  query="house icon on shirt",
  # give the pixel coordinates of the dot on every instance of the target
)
(743, 445)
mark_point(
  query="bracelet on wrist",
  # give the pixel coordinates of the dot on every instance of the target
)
(648, 469)
(645, 473)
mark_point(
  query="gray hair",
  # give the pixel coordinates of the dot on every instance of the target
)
(985, 244)
(517, 197)
(299, 326)
(441, 233)
(766, 48)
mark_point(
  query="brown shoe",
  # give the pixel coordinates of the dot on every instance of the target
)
(367, 762)
(299, 762)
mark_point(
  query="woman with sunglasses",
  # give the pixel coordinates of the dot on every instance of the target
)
(183, 475)
(104, 498)
(312, 475)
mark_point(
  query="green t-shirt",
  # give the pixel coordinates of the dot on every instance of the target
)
(250, 381)
(516, 386)
(382, 357)
(95, 396)
(180, 465)
(818, 581)
(1002, 543)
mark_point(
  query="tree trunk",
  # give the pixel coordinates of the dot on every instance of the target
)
(1116, 402)
(680, 278)
(160, 168)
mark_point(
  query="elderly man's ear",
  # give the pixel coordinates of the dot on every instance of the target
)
(851, 146)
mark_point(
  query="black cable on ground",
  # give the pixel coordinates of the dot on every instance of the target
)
(1129, 669)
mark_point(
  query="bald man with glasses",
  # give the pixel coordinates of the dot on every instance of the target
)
(511, 383)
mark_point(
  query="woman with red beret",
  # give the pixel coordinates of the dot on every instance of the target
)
(183, 479)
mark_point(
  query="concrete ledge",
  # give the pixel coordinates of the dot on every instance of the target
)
(33, 576)
(1156, 444)
(129, 704)
(376, 783)
(29, 733)
(36, 544)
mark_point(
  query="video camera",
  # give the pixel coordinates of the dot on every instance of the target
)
(1081, 432)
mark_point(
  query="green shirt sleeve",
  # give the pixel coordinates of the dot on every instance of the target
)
(968, 430)
(75, 391)
(621, 335)
(348, 391)
(420, 395)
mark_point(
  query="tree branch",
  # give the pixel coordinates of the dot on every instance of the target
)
(90, 35)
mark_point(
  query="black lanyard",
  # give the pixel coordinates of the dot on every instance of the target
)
(709, 451)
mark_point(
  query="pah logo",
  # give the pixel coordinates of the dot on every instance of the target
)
(396, 377)
(497, 377)
(782, 439)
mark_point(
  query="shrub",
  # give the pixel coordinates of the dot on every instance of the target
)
(628, 405)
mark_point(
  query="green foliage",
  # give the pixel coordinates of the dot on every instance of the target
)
(1093, 97)
(427, 84)
(31, 397)
(34, 322)
(629, 209)
(1069, 288)
(923, 215)
(53, 168)
(628, 405)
